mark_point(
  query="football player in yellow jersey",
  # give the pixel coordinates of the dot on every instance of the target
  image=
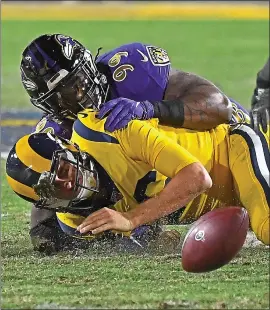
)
(29, 163)
(224, 166)
(157, 170)
(62, 77)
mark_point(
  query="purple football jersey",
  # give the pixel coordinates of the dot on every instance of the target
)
(50, 124)
(138, 71)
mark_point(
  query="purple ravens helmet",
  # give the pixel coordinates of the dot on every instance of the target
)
(61, 77)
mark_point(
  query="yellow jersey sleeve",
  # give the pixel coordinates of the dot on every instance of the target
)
(69, 223)
(142, 141)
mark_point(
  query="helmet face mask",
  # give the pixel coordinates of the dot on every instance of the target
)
(85, 183)
(52, 173)
(67, 84)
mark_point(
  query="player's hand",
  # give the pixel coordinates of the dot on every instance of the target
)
(260, 110)
(105, 219)
(121, 111)
(61, 128)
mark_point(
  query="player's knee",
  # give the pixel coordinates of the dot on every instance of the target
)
(43, 239)
(47, 237)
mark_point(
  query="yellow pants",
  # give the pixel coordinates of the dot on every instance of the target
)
(249, 162)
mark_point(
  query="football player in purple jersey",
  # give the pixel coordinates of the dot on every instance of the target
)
(135, 81)
(62, 78)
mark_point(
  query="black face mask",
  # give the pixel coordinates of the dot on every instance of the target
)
(47, 190)
(78, 93)
(75, 92)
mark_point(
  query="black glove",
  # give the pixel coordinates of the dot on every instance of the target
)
(260, 109)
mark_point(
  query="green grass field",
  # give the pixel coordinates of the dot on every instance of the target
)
(87, 280)
(227, 52)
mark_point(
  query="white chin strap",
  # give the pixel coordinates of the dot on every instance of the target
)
(88, 181)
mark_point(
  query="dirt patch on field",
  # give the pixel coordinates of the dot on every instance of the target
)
(252, 241)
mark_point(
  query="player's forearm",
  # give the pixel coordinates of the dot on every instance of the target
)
(183, 188)
(200, 108)
(206, 108)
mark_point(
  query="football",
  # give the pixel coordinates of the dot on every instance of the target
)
(214, 239)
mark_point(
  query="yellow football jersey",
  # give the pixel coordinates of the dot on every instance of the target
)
(142, 158)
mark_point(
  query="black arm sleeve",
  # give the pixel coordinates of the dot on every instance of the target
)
(263, 80)
(169, 112)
